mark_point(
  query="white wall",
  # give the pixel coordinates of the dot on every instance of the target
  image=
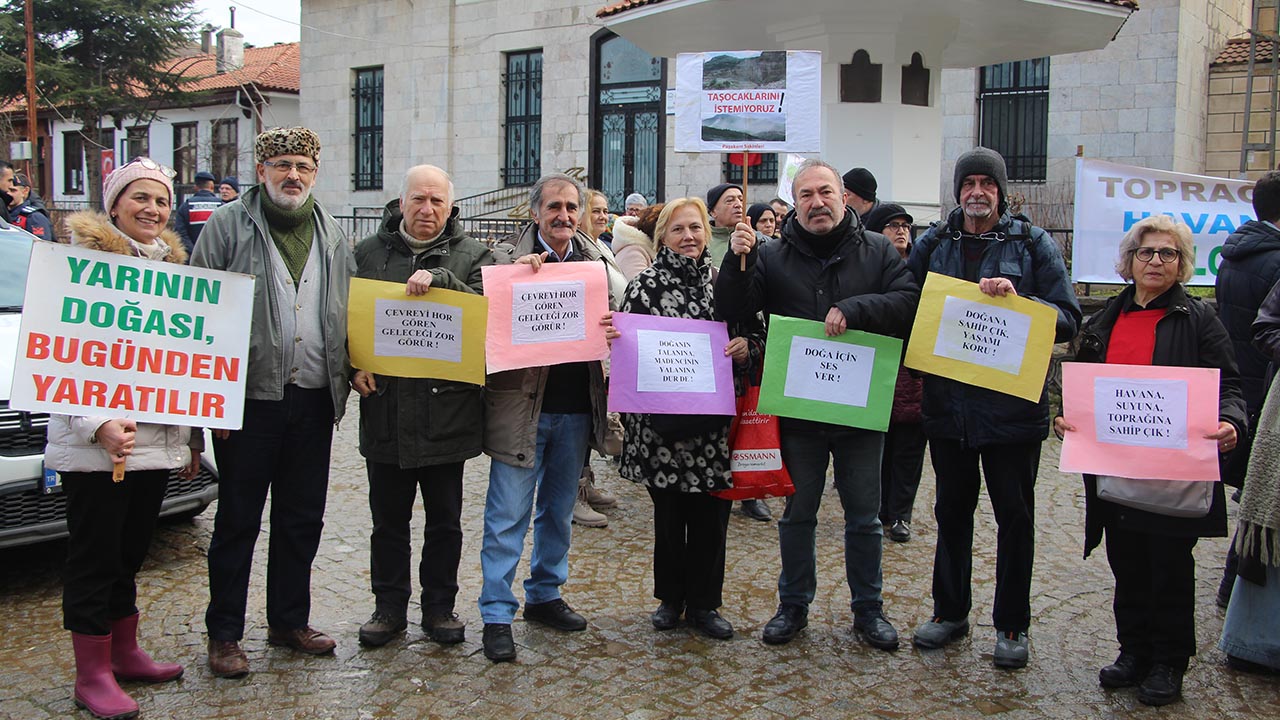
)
(282, 109)
(1142, 100)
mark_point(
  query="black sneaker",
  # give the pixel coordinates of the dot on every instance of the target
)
(1162, 686)
(900, 531)
(381, 628)
(555, 613)
(499, 646)
(1127, 671)
(709, 623)
(789, 620)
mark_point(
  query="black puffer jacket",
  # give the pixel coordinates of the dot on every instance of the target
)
(864, 277)
(415, 422)
(1250, 267)
(1189, 335)
(1029, 258)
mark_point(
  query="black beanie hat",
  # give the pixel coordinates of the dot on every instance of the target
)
(862, 183)
(713, 195)
(983, 161)
(876, 219)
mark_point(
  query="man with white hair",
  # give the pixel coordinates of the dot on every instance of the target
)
(416, 433)
(295, 392)
(635, 203)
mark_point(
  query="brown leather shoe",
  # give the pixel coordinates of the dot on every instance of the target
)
(304, 639)
(226, 659)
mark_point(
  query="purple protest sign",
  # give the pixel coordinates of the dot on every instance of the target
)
(670, 366)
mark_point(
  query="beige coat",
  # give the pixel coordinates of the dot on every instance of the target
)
(633, 249)
(513, 398)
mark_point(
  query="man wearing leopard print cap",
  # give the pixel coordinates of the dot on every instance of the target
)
(295, 391)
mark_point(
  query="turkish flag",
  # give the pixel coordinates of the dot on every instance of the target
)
(753, 159)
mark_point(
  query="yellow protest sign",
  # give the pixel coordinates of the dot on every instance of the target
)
(438, 335)
(999, 343)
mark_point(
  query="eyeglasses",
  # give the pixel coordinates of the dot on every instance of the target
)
(284, 167)
(898, 226)
(150, 164)
(1167, 255)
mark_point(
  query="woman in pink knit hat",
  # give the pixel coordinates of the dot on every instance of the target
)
(111, 518)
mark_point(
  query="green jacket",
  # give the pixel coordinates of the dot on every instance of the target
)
(236, 239)
(416, 422)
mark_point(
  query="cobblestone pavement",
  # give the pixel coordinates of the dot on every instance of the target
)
(620, 667)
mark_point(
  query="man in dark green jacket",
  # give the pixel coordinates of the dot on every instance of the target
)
(416, 433)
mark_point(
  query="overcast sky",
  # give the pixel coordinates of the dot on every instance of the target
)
(258, 28)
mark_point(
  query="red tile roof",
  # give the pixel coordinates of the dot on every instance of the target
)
(1237, 52)
(624, 5)
(273, 68)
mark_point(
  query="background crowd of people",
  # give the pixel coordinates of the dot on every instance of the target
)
(840, 256)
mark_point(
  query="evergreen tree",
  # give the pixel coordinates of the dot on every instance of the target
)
(97, 59)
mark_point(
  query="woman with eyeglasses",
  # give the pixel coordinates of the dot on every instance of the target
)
(1154, 322)
(111, 519)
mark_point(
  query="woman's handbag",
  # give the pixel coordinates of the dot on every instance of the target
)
(1175, 498)
(755, 455)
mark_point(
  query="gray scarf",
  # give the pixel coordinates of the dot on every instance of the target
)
(1259, 516)
(417, 247)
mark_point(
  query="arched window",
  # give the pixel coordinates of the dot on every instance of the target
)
(860, 80)
(915, 82)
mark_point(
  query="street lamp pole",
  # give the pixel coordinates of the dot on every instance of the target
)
(32, 133)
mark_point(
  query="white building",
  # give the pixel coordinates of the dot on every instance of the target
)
(245, 90)
(1143, 100)
(500, 93)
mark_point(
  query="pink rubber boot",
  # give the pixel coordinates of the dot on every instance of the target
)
(96, 688)
(129, 662)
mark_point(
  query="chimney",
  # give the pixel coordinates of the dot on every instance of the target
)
(230, 50)
(206, 39)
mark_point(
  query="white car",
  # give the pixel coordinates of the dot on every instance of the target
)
(32, 506)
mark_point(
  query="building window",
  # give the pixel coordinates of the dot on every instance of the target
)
(861, 79)
(915, 82)
(368, 155)
(138, 142)
(523, 83)
(1013, 112)
(226, 148)
(763, 168)
(184, 153)
(72, 163)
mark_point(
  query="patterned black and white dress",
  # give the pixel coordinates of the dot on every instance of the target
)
(680, 287)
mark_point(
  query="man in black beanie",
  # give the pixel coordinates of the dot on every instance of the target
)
(967, 425)
(860, 191)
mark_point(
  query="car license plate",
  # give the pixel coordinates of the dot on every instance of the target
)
(51, 482)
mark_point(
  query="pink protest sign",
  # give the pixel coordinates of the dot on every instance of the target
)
(670, 366)
(1140, 421)
(546, 317)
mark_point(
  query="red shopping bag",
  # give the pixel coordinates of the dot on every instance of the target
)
(755, 455)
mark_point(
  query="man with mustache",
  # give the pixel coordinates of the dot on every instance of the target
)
(826, 267)
(967, 425)
(539, 422)
(295, 391)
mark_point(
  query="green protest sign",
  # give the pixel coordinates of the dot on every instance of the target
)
(845, 380)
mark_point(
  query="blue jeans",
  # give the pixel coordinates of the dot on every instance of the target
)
(562, 443)
(856, 455)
